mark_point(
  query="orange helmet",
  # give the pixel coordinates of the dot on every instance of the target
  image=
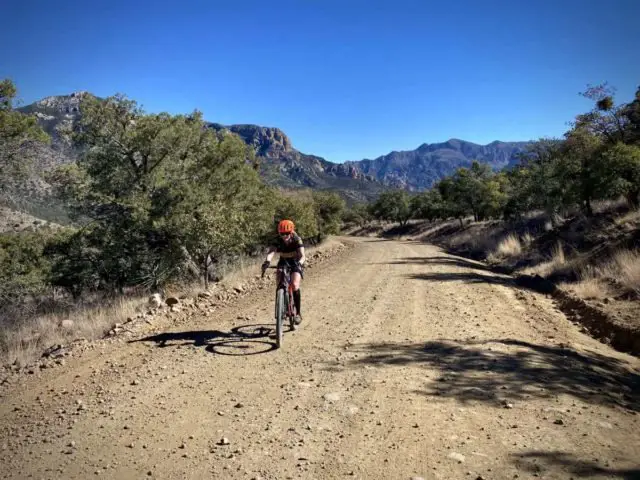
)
(286, 226)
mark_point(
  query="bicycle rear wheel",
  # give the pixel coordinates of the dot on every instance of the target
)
(280, 312)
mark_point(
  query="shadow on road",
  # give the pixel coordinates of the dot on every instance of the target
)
(474, 274)
(239, 341)
(443, 261)
(468, 277)
(492, 370)
(540, 463)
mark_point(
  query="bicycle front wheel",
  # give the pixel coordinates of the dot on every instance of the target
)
(280, 312)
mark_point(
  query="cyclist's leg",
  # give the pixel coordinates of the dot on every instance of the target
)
(296, 278)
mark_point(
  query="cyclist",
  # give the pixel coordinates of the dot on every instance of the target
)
(291, 249)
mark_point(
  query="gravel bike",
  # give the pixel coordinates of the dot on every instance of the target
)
(285, 308)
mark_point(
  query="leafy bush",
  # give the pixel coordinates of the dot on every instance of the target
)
(24, 269)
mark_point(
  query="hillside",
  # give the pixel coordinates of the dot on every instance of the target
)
(283, 165)
(16, 221)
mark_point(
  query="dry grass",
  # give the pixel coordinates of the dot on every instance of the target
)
(25, 342)
(243, 266)
(509, 247)
(434, 229)
(463, 238)
(558, 262)
(630, 217)
(624, 267)
(557, 256)
(479, 237)
(527, 239)
(607, 206)
(590, 288)
(590, 285)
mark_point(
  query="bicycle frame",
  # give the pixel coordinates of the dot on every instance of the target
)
(284, 274)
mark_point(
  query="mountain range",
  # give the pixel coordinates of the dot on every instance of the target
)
(421, 168)
(285, 166)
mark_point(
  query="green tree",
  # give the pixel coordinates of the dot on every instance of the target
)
(632, 114)
(221, 209)
(77, 259)
(606, 119)
(624, 161)
(610, 130)
(469, 191)
(18, 133)
(495, 195)
(427, 205)
(393, 206)
(537, 181)
(299, 207)
(358, 215)
(329, 207)
(24, 268)
(582, 169)
(156, 193)
(452, 204)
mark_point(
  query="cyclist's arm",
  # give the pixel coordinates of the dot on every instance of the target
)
(270, 253)
(301, 256)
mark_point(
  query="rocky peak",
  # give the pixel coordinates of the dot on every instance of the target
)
(345, 170)
(268, 142)
(56, 115)
(57, 106)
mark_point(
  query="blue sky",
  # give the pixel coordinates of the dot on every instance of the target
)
(345, 79)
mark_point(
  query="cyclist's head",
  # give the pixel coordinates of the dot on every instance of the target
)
(285, 228)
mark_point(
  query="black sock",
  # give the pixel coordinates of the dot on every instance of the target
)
(296, 300)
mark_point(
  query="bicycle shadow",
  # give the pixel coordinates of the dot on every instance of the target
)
(243, 340)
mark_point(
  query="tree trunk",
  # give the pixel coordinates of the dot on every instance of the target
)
(206, 271)
(588, 207)
(632, 198)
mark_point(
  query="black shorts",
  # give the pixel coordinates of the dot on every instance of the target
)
(293, 264)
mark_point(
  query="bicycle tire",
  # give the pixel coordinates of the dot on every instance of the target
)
(280, 312)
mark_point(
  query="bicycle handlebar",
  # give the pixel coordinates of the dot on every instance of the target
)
(275, 267)
(265, 269)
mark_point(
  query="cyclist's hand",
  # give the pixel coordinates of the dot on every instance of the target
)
(265, 265)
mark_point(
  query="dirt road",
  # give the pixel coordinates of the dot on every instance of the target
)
(409, 363)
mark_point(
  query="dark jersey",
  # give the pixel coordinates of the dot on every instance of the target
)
(288, 250)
